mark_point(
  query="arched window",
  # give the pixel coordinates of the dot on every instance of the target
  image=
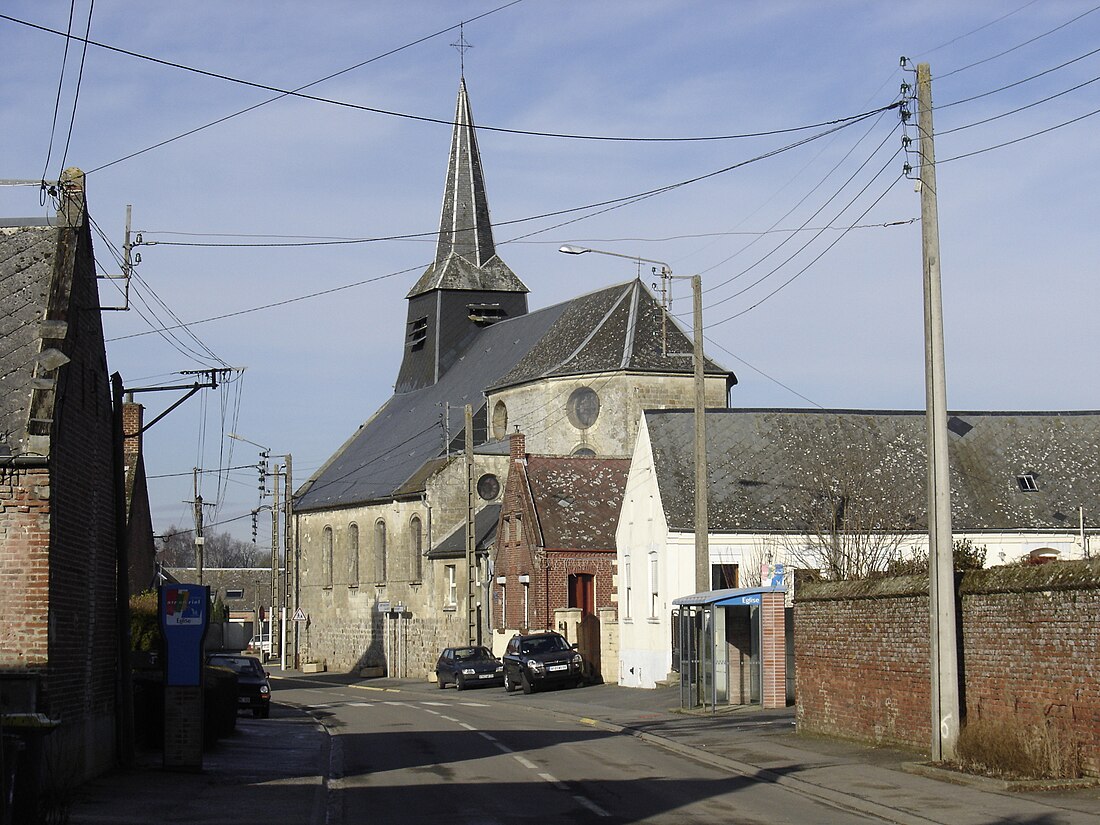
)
(380, 550)
(416, 539)
(326, 557)
(353, 554)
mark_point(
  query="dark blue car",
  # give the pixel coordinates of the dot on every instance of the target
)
(465, 667)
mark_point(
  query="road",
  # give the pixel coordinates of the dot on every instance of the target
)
(422, 755)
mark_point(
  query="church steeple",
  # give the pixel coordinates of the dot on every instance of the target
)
(467, 286)
(465, 255)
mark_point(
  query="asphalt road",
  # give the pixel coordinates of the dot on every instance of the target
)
(422, 755)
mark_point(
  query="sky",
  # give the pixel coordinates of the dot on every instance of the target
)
(756, 144)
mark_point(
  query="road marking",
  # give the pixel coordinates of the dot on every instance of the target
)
(527, 763)
(437, 704)
(449, 718)
(592, 806)
(379, 689)
(468, 727)
(557, 783)
(474, 705)
(432, 712)
(360, 704)
(502, 747)
(485, 735)
(394, 702)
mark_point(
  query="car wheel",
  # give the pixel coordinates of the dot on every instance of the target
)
(509, 685)
(260, 713)
(525, 683)
(440, 682)
(460, 681)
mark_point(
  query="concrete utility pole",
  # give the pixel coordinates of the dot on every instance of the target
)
(290, 548)
(702, 527)
(273, 622)
(199, 540)
(473, 625)
(941, 566)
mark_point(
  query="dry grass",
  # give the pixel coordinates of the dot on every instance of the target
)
(1008, 750)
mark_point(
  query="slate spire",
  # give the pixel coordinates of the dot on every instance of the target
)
(465, 256)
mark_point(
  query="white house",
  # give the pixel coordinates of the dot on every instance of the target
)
(815, 489)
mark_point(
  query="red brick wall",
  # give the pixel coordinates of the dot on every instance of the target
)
(1030, 652)
(24, 569)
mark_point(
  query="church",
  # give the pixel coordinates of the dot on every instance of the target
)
(396, 532)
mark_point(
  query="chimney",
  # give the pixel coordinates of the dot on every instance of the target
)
(132, 422)
(517, 446)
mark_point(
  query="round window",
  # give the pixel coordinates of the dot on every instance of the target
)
(584, 452)
(488, 487)
(583, 407)
(500, 420)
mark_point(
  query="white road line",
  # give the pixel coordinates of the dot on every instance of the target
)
(502, 747)
(432, 712)
(468, 727)
(592, 806)
(437, 704)
(557, 783)
(449, 718)
(392, 702)
(527, 763)
(473, 705)
(485, 735)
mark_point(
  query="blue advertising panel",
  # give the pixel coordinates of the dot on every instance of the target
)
(184, 615)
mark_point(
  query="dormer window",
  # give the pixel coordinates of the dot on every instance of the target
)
(1027, 483)
(418, 333)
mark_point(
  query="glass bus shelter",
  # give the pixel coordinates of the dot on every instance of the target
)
(731, 648)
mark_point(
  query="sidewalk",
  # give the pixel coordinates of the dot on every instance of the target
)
(276, 774)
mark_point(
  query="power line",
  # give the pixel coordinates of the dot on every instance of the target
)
(1018, 82)
(79, 80)
(60, 85)
(442, 121)
(1020, 139)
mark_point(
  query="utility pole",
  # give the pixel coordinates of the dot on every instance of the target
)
(199, 539)
(290, 548)
(702, 528)
(471, 543)
(272, 623)
(941, 568)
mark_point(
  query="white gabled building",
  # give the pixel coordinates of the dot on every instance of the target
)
(1025, 486)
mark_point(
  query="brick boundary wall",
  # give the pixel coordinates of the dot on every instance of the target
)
(1030, 653)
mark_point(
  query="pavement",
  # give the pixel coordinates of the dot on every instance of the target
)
(275, 771)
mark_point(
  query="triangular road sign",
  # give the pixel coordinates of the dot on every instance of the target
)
(299, 615)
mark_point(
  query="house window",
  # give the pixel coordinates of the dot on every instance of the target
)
(488, 487)
(451, 600)
(234, 594)
(353, 554)
(626, 588)
(583, 407)
(519, 530)
(326, 557)
(380, 551)
(723, 576)
(526, 604)
(503, 583)
(500, 421)
(416, 538)
(654, 602)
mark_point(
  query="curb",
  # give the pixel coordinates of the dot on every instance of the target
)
(987, 783)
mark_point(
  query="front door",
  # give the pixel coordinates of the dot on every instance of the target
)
(582, 592)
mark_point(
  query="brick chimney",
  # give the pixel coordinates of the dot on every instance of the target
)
(517, 446)
(133, 415)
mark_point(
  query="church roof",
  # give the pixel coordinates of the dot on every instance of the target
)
(612, 329)
(465, 256)
(770, 468)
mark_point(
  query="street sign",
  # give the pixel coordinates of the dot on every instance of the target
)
(299, 615)
(383, 607)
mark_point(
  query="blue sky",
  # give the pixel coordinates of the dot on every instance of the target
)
(844, 329)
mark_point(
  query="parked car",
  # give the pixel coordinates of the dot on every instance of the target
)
(260, 644)
(468, 666)
(541, 659)
(253, 688)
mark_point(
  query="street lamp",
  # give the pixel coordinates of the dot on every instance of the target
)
(702, 529)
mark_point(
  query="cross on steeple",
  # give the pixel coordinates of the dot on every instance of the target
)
(461, 46)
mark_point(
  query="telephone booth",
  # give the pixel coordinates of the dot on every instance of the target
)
(731, 648)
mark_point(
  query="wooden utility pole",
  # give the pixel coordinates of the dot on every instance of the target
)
(199, 539)
(941, 567)
(471, 539)
(702, 527)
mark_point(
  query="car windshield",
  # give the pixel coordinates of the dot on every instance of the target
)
(466, 654)
(238, 664)
(544, 644)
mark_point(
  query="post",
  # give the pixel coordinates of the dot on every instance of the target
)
(941, 568)
(290, 545)
(471, 539)
(702, 527)
(199, 539)
(272, 622)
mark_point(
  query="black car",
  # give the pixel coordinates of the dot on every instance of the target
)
(253, 689)
(540, 659)
(467, 666)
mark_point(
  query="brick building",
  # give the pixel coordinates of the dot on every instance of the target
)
(555, 545)
(59, 638)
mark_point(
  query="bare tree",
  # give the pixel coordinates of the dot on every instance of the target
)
(219, 550)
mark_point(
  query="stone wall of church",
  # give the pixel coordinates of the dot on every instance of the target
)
(595, 412)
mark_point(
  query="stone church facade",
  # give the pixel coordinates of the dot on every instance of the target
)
(381, 527)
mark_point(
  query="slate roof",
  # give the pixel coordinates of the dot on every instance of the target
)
(465, 256)
(767, 468)
(611, 329)
(577, 500)
(26, 263)
(485, 533)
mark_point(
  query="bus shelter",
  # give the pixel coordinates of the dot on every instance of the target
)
(731, 648)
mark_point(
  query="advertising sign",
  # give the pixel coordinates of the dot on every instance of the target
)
(184, 612)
